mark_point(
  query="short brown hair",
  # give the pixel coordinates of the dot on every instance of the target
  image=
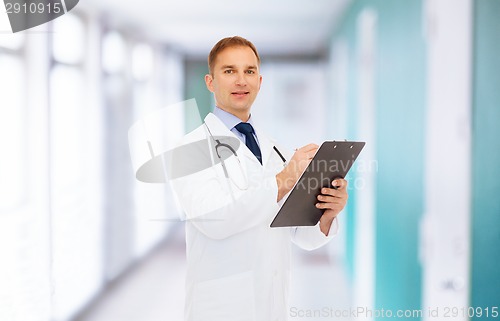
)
(228, 42)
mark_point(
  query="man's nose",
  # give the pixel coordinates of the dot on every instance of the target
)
(240, 79)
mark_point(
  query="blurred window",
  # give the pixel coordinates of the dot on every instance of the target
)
(114, 53)
(24, 289)
(76, 216)
(67, 128)
(13, 131)
(13, 41)
(69, 39)
(150, 200)
(142, 62)
(67, 113)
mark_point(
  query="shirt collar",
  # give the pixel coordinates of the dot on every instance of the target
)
(229, 119)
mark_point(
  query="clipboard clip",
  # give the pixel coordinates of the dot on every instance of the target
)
(344, 141)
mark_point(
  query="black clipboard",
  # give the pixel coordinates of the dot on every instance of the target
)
(332, 160)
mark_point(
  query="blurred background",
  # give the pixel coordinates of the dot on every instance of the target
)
(419, 80)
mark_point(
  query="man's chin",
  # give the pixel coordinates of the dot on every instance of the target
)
(238, 109)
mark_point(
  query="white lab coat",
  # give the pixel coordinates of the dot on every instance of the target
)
(238, 268)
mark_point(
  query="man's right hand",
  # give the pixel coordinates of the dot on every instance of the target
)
(287, 178)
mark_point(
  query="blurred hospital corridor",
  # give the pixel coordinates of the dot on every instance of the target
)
(153, 290)
(87, 235)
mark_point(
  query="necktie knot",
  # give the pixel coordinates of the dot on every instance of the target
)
(245, 128)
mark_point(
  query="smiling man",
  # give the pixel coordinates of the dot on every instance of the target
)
(238, 266)
(234, 78)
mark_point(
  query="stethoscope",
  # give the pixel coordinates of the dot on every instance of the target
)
(219, 146)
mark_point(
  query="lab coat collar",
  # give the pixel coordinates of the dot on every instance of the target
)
(217, 127)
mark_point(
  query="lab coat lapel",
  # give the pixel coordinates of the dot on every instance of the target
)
(218, 128)
(266, 146)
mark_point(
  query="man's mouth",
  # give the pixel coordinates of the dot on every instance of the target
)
(240, 93)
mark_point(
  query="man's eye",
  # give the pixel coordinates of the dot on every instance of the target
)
(250, 72)
(229, 71)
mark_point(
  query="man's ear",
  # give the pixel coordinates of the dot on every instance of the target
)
(208, 81)
(260, 81)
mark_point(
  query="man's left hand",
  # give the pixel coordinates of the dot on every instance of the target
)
(333, 201)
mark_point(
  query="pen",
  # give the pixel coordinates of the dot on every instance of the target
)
(281, 156)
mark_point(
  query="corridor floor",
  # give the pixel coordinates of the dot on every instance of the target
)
(154, 289)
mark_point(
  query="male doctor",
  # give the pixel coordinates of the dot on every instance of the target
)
(238, 267)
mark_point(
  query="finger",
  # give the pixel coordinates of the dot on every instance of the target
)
(335, 202)
(329, 206)
(311, 154)
(339, 183)
(328, 199)
(333, 192)
(309, 147)
(307, 155)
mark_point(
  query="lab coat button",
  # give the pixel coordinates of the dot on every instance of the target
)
(275, 273)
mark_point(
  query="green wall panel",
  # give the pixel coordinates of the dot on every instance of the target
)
(400, 137)
(400, 113)
(196, 88)
(485, 278)
(347, 32)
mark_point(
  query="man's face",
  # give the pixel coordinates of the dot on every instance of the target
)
(235, 81)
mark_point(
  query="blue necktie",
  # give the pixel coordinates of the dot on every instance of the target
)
(247, 130)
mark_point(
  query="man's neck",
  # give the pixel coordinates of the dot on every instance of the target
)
(243, 116)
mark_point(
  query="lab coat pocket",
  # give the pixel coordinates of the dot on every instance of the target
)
(230, 298)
